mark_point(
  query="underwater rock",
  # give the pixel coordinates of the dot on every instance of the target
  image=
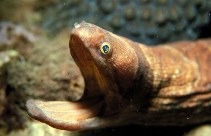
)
(18, 11)
(204, 130)
(5, 58)
(15, 44)
(12, 35)
(2, 87)
(47, 73)
(38, 129)
(156, 21)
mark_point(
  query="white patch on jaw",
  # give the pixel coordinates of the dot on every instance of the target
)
(83, 24)
(77, 25)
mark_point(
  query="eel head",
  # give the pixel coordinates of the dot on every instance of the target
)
(109, 65)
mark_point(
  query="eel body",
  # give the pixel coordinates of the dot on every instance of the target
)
(129, 83)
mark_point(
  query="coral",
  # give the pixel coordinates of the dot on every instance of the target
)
(146, 21)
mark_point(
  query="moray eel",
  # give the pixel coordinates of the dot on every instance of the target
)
(130, 83)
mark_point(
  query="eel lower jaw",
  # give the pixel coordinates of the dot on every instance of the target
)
(67, 115)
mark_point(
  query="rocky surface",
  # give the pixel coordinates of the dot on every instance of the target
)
(15, 37)
(48, 73)
(31, 68)
(18, 11)
(15, 41)
(38, 129)
(12, 35)
(6, 57)
(204, 130)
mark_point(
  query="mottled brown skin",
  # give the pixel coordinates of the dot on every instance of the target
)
(133, 84)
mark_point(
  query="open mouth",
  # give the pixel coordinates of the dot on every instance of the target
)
(80, 115)
(94, 80)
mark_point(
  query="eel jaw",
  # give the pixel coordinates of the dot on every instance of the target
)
(82, 115)
(68, 115)
(88, 112)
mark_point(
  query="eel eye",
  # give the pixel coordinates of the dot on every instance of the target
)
(105, 48)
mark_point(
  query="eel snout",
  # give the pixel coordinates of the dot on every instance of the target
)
(66, 115)
(99, 105)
